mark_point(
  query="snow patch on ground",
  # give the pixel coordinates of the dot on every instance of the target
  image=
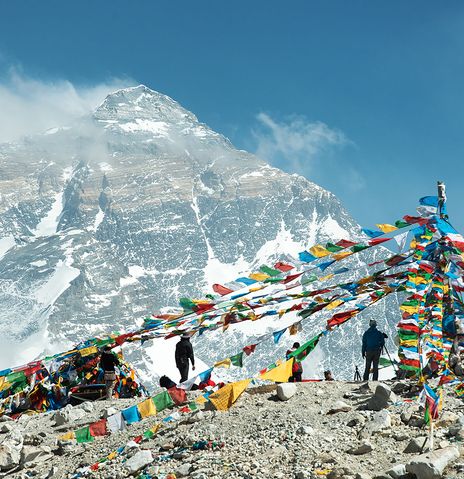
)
(59, 281)
(105, 167)
(98, 219)
(158, 128)
(218, 272)
(333, 230)
(6, 244)
(39, 263)
(282, 244)
(49, 223)
(135, 272)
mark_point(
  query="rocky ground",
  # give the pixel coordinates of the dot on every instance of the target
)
(331, 429)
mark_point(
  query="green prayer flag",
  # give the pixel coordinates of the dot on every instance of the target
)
(401, 224)
(187, 304)
(237, 360)
(303, 351)
(193, 406)
(162, 401)
(358, 247)
(333, 248)
(270, 271)
(148, 434)
(83, 435)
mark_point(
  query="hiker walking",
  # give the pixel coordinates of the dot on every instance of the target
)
(297, 368)
(108, 361)
(184, 353)
(372, 343)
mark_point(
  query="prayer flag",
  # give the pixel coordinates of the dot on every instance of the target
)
(386, 228)
(228, 394)
(278, 334)
(131, 415)
(83, 435)
(280, 373)
(249, 349)
(237, 360)
(146, 408)
(162, 401)
(319, 251)
(116, 422)
(98, 428)
(225, 363)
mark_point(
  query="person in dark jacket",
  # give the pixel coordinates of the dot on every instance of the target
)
(297, 368)
(108, 361)
(372, 343)
(184, 353)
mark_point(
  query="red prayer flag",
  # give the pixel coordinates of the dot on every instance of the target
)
(249, 349)
(283, 266)
(222, 290)
(345, 243)
(94, 467)
(340, 318)
(376, 241)
(98, 428)
(291, 277)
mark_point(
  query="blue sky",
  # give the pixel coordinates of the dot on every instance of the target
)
(365, 98)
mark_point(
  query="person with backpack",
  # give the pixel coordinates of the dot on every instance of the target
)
(108, 361)
(184, 353)
(297, 368)
(372, 344)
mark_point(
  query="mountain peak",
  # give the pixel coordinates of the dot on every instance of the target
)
(143, 103)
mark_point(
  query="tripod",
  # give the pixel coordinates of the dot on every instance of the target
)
(357, 374)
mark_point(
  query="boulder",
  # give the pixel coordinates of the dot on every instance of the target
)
(339, 406)
(87, 407)
(431, 465)
(67, 415)
(286, 390)
(184, 470)
(138, 461)
(456, 428)
(382, 397)
(10, 450)
(35, 454)
(363, 448)
(379, 421)
(417, 444)
(396, 472)
(447, 418)
(6, 427)
(109, 411)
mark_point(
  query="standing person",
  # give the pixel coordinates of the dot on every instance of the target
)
(108, 361)
(372, 343)
(184, 353)
(297, 368)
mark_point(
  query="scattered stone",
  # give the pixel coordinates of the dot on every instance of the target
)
(10, 450)
(431, 465)
(364, 448)
(339, 406)
(286, 390)
(109, 411)
(67, 415)
(305, 430)
(6, 427)
(381, 398)
(417, 444)
(447, 418)
(87, 407)
(185, 469)
(379, 421)
(138, 461)
(401, 436)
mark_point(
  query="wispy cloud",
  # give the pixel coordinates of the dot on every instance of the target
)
(297, 145)
(29, 105)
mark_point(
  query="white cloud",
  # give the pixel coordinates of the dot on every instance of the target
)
(29, 106)
(304, 147)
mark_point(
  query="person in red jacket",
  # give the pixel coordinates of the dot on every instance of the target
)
(297, 368)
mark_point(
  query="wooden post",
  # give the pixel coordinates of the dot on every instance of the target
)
(441, 197)
(431, 434)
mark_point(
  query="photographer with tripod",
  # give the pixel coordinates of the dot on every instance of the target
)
(372, 344)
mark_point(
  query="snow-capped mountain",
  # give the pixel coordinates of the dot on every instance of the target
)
(122, 213)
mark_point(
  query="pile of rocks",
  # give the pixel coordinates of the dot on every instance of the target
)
(304, 431)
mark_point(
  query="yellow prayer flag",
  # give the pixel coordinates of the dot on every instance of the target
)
(280, 373)
(88, 351)
(69, 436)
(319, 251)
(293, 329)
(334, 304)
(4, 384)
(386, 228)
(326, 277)
(201, 400)
(225, 363)
(112, 455)
(343, 254)
(223, 399)
(147, 408)
(258, 276)
(409, 309)
(156, 427)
